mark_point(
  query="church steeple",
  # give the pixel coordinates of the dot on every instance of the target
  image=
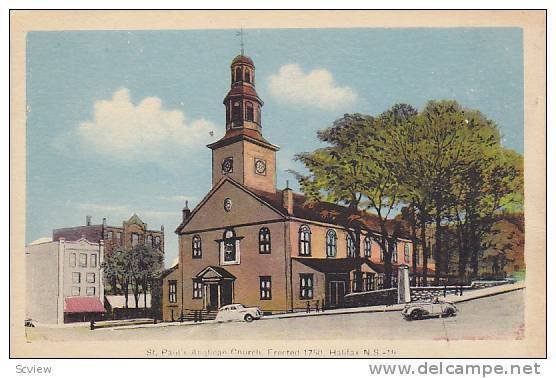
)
(243, 105)
(243, 154)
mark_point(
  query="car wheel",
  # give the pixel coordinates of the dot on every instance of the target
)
(417, 315)
(248, 318)
(450, 312)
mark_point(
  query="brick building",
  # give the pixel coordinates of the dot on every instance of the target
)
(247, 242)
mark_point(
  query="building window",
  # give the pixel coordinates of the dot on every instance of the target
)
(82, 260)
(229, 248)
(381, 254)
(258, 114)
(406, 252)
(395, 253)
(266, 287)
(367, 247)
(306, 286)
(91, 291)
(134, 239)
(304, 240)
(197, 290)
(90, 278)
(75, 291)
(331, 241)
(94, 260)
(368, 281)
(119, 238)
(197, 251)
(264, 240)
(350, 246)
(249, 114)
(247, 76)
(157, 241)
(238, 74)
(72, 260)
(76, 277)
(150, 240)
(236, 112)
(109, 235)
(172, 291)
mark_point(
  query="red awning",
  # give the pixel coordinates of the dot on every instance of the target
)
(83, 304)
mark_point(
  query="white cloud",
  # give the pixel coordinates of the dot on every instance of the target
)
(177, 198)
(316, 88)
(143, 131)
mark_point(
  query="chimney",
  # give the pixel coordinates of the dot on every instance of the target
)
(104, 222)
(186, 212)
(287, 198)
(88, 220)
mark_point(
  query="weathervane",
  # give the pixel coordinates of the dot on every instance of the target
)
(240, 34)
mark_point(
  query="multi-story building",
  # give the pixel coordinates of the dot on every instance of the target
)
(64, 281)
(132, 232)
(247, 242)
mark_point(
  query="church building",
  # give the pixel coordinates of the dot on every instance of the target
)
(248, 242)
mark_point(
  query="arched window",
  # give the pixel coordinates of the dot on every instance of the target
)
(196, 248)
(395, 253)
(406, 252)
(236, 112)
(350, 246)
(230, 247)
(367, 247)
(249, 115)
(247, 76)
(264, 240)
(304, 240)
(238, 74)
(331, 242)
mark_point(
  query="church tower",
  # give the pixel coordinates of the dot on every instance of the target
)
(243, 154)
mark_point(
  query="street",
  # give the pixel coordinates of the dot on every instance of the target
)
(496, 317)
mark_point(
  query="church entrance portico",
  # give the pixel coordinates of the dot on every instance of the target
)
(218, 287)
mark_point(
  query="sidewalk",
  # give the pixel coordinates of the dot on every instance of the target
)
(467, 296)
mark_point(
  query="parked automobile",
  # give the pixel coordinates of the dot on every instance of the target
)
(239, 312)
(29, 323)
(420, 310)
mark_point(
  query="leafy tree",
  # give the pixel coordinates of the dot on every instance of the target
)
(116, 270)
(145, 263)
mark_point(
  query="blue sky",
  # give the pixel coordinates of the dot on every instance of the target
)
(118, 120)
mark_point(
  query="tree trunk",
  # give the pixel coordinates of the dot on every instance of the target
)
(126, 293)
(424, 248)
(358, 279)
(145, 291)
(438, 249)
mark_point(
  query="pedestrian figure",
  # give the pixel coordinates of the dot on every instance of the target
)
(317, 306)
(308, 307)
(445, 290)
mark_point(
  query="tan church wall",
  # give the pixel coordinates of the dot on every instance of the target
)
(234, 151)
(265, 182)
(252, 265)
(245, 209)
(318, 240)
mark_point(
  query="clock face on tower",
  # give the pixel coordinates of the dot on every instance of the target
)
(260, 167)
(228, 165)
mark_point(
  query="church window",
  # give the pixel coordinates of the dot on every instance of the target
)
(350, 246)
(395, 253)
(172, 291)
(406, 252)
(247, 76)
(367, 247)
(134, 239)
(236, 112)
(229, 248)
(264, 240)
(331, 242)
(197, 290)
(196, 247)
(259, 114)
(304, 240)
(265, 287)
(249, 115)
(305, 286)
(238, 74)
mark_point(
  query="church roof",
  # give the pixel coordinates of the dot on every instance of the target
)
(234, 135)
(327, 212)
(242, 59)
(327, 265)
(243, 90)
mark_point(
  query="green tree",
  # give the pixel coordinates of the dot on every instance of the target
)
(115, 269)
(144, 264)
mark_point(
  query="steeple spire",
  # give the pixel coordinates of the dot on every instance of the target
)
(240, 33)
